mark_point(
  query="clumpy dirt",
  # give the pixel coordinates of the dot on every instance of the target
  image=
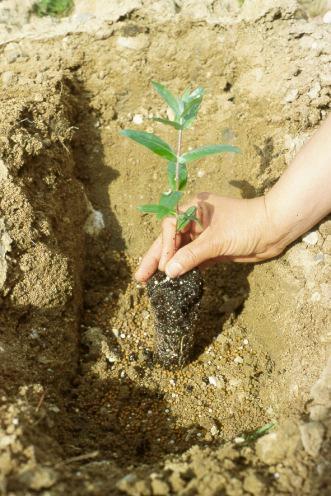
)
(84, 408)
(176, 304)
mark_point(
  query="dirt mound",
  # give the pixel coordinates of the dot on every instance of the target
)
(83, 407)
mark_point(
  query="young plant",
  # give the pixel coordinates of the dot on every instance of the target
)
(184, 110)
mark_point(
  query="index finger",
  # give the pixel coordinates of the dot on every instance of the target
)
(150, 261)
(170, 240)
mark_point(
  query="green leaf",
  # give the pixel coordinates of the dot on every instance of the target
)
(191, 112)
(185, 218)
(186, 94)
(190, 106)
(52, 7)
(170, 200)
(154, 143)
(167, 122)
(160, 210)
(172, 175)
(208, 150)
(167, 96)
(262, 431)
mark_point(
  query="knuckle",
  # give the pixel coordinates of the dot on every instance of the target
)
(215, 248)
(189, 256)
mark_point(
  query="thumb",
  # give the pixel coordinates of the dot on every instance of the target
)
(188, 257)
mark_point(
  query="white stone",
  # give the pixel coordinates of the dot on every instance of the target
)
(215, 381)
(238, 360)
(291, 96)
(311, 238)
(133, 42)
(314, 91)
(214, 430)
(327, 17)
(316, 296)
(112, 358)
(201, 173)
(94, 223)
(3, 170)
(138, 119)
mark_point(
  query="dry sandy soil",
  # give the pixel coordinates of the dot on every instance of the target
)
(83, 407)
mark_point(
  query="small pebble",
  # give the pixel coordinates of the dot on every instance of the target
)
(291, 96)
(311, 238)
(213, 381)
(327, 17)
(214, 431)
(137, 119)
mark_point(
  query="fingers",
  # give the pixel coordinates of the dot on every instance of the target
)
(150, 261)
(171, 240)
(164, 248)
(188, 257)
(168, 241)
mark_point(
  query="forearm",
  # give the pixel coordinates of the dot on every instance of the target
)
(302, 196)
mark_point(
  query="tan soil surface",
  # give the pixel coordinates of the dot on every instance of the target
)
(83, 408)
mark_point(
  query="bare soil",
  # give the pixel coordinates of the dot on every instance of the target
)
(84, 409)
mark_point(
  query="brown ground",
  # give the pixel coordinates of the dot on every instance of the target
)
(83, 408)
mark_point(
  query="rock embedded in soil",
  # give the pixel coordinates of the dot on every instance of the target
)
(175, 303)
(312, 434)
(38, 478)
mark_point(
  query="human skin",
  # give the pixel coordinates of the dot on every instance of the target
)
(249, 230)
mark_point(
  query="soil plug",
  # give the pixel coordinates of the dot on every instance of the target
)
(175, 319)
(175, 303)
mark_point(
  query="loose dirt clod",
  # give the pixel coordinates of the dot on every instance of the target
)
(175, 303)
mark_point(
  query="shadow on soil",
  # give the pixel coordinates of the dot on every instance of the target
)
(266, 154)
(124, 422)
(102, 251)
(226, 288)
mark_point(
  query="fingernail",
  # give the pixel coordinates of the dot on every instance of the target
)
(174, 269)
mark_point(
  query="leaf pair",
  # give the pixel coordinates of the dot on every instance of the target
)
(185, 108)
(166, 207)
(185, 218)
(161, 148)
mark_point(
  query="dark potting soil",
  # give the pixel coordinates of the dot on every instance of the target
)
(176, 304)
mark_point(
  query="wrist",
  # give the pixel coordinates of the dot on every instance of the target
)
(288, 219)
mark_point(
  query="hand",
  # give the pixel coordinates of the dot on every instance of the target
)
(249, 230)
(231, 229)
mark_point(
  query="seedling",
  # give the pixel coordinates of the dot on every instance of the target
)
(185, 110)
(175, 301)
(260, 432)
